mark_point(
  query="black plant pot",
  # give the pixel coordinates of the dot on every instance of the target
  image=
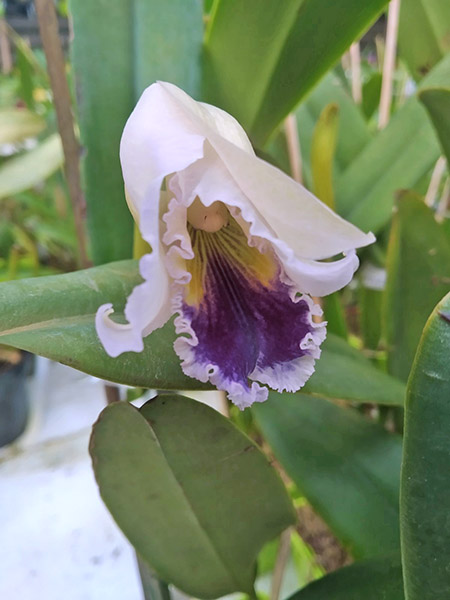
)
(14, 403)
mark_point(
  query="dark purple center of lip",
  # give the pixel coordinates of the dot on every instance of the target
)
(242, 323)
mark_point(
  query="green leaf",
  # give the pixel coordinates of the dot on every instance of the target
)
(193, 494)
(347, 467)
(168, 43)
(343, 372)
(437, 103)
(418, 276)
(276, 55)
(424, 34)
(54, 317)
(135, 43)
(105, 98)
(425, 488)
(353, 133)
(30, 168)
(434, 93)
(371, 91)
(397, 158)
(379, 579)
(323, 147)
(18, 124)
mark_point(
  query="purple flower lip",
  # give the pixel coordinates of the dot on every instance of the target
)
(242, 320)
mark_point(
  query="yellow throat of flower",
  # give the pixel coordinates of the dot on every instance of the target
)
(222, 243)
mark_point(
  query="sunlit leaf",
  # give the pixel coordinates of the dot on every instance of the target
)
(31, 168)
(18, 124)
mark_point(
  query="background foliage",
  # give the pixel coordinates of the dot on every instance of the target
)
(286, 74)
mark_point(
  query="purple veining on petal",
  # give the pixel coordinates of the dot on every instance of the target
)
(243, 324)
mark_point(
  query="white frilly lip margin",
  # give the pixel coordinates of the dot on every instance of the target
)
(207, 153)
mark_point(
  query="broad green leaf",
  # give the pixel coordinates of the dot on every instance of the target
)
(168, 42)
(376, 579)
(347, 467)
(418, 276)
(344, 373)
(134, 43)
(105, 99)
(18, 124)
(193, 494)
(425, 488)
(276, 55)
(424, 34)
(54, 317)
(437, 103)
(30, 168)
(397, 158)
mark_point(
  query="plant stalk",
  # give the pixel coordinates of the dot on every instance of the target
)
(389, 63)
(48, 27)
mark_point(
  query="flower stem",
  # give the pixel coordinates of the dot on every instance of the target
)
(153, 588)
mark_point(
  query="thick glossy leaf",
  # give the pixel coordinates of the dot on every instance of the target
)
(168, 41)
(347, 467)
(105, 97)
(18, 124)
(54, 317)
(424, 34)
(30, 168)
(275, 56)
(397, 158)
(425, 491)
(193, 494)
(134, 43)
(437, 103)
(379, 579)
(418, 265)
(343, 372)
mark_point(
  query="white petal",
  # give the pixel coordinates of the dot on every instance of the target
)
(319, 278)
(116, 337)
(297, 217)
(155, 142)
(148, 308)
(210, 181)
(165, 133)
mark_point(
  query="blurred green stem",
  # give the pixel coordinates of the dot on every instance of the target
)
(153, 588)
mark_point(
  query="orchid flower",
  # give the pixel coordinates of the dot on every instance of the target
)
(238, 249)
